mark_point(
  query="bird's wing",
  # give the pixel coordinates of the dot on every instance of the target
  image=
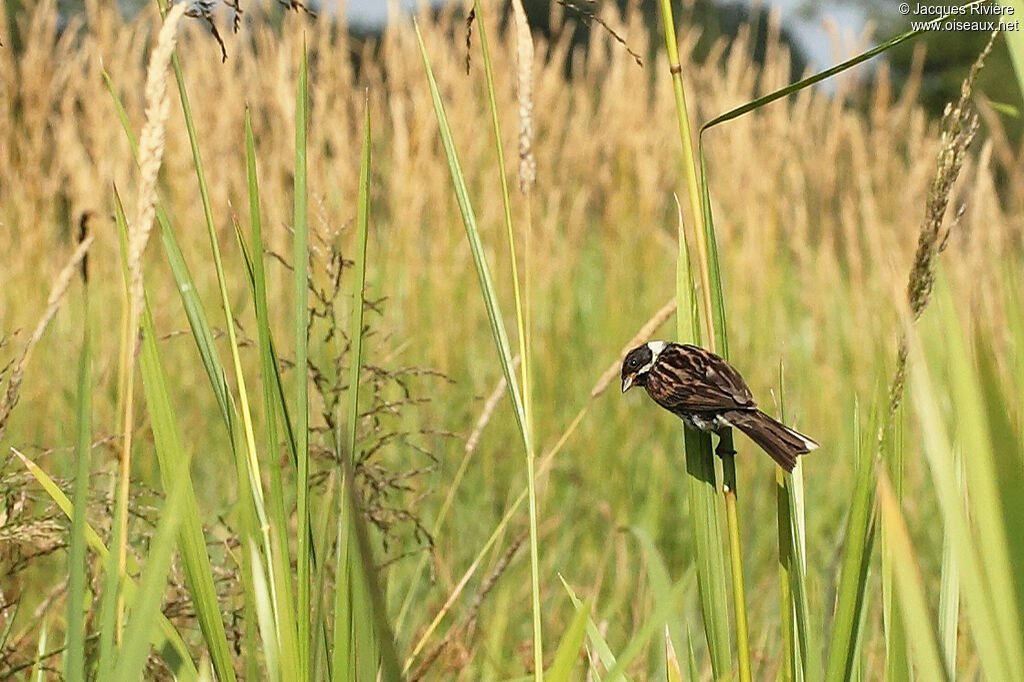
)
(690, 379)
(725, 377)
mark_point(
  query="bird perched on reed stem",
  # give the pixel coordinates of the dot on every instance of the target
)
(708, 394)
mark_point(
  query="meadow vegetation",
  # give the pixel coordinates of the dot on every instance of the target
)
(818, 205)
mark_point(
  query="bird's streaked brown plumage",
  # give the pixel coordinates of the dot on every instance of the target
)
(709, 394)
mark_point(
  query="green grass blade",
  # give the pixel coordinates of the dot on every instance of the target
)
(705, 514)
(112, 585)
(708, 556)
(197, 319)
(674, 672)
(74, 662)
(365, 582)
(909, 586)
(360, 611)
(897, 649)
(807, 636)
(142, 623)
(792, 577)
(981, 609)
(522, 327)
(658, 576)
(691, 657)
(170, 454)
(300, 264)
(949, 606)
(365, 639)
(247, 462)
(479, 259)
(358, 290)
(985, 510)
(122, 115)
(204, 339)
(804, 647)
(274, 407)
(264, 606)
(500, 338)
(827, 73)
(348, 599)
(594, 637)
(1008, 453)
(198, 323)
(38, 673)
(343, 659)
(851, 597)
(949, 587)
(172, 457)
(109, 609)
(735, 555)
(568, 650)
(506, 199)
(665, 604)
(193, 309)
(714, 270)
(1015, 44)
(166, 639)
(5, 636)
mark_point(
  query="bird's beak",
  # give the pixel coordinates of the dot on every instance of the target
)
(627, 382)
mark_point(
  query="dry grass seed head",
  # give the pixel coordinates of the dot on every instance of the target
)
(524, 95)
(57, 291)
(959, 127)
(151, 151)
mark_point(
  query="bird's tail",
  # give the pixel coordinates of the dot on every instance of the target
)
(778, 440)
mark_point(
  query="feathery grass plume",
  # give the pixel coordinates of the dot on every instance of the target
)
(151, 152)
(151, 149)
(60, 286)
(959, 126)
(524, 96)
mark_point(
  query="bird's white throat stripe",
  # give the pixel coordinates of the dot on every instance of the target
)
(656, 348)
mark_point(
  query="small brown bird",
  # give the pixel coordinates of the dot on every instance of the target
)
(706, 392)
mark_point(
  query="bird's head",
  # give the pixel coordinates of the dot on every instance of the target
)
(638, 364)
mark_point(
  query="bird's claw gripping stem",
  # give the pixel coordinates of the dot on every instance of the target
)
(724, 447)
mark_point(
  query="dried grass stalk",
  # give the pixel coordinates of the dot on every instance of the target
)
(151, 152)
(524, 96)
(57, 291)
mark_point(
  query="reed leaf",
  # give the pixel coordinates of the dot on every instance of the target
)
(500, 338)
(274, 408)
(74, 661)
(909, 585)
(597, 641)
(568, 650)
(165, 638)
(982, 619)
(141, 623)
(300, 265)
(854, 574)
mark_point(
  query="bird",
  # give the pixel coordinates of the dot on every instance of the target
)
(709, 395)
